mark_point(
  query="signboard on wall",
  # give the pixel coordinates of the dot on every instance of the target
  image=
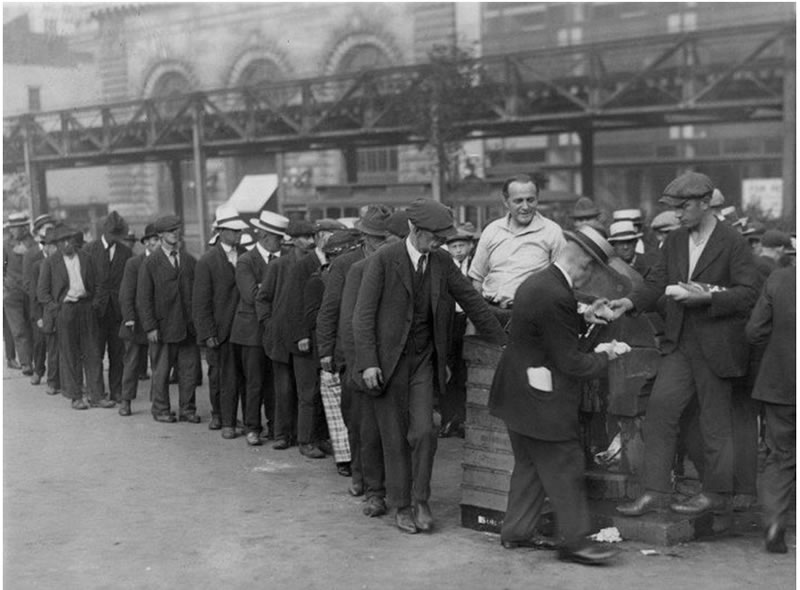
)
(764, 193)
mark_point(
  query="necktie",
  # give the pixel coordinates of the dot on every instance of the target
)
(109, 253)
(174, 256)
(421, 267)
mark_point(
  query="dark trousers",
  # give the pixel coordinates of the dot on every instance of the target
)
(285, 400)
(143, 361)
(8, 339)
(183, 355)
(453, 404)
(131, 366)
(258, 387)
(779, 478)
(546, 469)
(78, 353)
(39, 357)
(682, 375)
(309, 401)
(15, 305)
(110, 342)
(351, 413)
(744, 426)
(404, 413)
(224, 369)
(370, 447)
(53, 374)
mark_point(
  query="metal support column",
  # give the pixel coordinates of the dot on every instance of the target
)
(199, 169)
(587, 161)
(789, 166)
(38, 180)
(177, 186)
(350, 164)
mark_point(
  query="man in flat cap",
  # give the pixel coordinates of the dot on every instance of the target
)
(33, 256)
(109, 254)
(710, 283)
(15, 298)
(248, 333)
(66, 291)
(536, 392)
(214, 304)
(401, 327)
(273, 301)
(164, 305)
(373, 228)
(662, 224)
(514, 247)
(774, 243)
(132, 332)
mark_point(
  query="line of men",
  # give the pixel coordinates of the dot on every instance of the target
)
(361, 322)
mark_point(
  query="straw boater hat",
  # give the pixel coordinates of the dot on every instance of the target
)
(623, 231)
(18, 220)
(634, 215)
(717, 198)
(271, 222)
(42, 220)
(592, 242)
(227, 217)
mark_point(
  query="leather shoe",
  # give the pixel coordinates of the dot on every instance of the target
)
(311, 451)
(228, 432)
(282, 443)
(51, 391)
(702, 503)
(253, 439)
(27, 370)
(356, 489)
(589, 553)
(774, 538)
(343, 469)
(125, 408)
(166, 418)
(215, 423)
(191, 418)
(79, 404)
(647, 502)
(36, 378)
(404, 520)
(374, 506)
(13, 364)
(325, 446)
(537, 541)
(423, 517)
(266, 434)
(102, 403)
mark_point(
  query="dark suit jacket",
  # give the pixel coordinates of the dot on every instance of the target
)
(33, 282)
(127, 299)
(215, 296)
(545, 328)
(726, 261)
(329, 340)
(30, 258)
(384, 309)
(54, 284)
(774, 322)
(300, 326)
(164, 296)
(108, 278)
(250, 272)
(272, 304)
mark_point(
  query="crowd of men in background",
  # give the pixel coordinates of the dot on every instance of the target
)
(343, 340)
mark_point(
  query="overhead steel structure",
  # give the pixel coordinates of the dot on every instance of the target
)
(739, 74)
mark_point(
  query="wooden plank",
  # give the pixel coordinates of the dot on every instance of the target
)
(492, 460)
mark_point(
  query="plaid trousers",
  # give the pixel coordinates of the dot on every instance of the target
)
(331, 393)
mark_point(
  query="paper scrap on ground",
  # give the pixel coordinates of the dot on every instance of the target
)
(649, 552)
(607, 535)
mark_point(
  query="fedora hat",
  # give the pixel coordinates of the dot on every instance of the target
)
(623, 231)
(374, 221)
(61, 232)
(227, 217)
(271, 222)
(114, 224)
(584, 209)
(592, 242)
(149, 232)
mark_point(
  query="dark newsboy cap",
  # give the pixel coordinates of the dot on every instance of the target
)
(397, 224)
(341, 241)
(774, 238)
(433, 217)
(691, 185)
(300, 227)
(167, 223)
(328, 225)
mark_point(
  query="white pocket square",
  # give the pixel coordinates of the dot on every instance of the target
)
(540, 378)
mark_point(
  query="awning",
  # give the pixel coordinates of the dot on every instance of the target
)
(253, 193)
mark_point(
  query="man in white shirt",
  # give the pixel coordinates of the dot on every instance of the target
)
(514, 247)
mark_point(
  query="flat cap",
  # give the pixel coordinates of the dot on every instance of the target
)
(397, 224)
(149, 232)
(341, 241)
(691, 185)
(114, 224)
(373, 221)
(433, 217)
(328, 225)
(774, 238)
(665, 221)
(167, 223)
(300, 227)
(584, 209)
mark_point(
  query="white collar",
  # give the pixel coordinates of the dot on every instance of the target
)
(323, 260)
(105, 244)
(226, 247)
(413, 253)
(565, 273)
(265, 254)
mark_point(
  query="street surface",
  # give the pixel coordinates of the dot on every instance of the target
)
(94, 500)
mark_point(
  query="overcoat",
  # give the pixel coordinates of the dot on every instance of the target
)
(108, 277)
(250, 271)
(215, 297)
(127, 300)
(164, 296)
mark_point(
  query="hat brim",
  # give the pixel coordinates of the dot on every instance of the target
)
(370, 231)
(587, 246)
(17, 224)
(585, 215)
(625, 238)
(258, 224)
(146, 237)
(446, 233)
(233, 224)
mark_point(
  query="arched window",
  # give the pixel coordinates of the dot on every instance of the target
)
(260, 70)
(373, 164)
(170, 85)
